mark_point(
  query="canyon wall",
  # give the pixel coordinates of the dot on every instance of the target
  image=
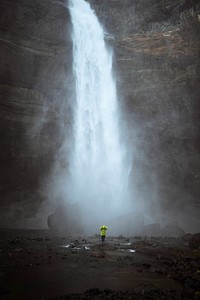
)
(35, 81)
(155, 48)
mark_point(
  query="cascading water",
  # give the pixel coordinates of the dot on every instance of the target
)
(98, 173)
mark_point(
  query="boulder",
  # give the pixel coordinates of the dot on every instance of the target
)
(172, 231)
(66, 220)
(153, 229)
(128, 224)
(187, 237)
(194, 243)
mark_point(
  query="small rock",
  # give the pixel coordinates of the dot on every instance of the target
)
(3, 291)
(187, 237)
(152, 229)
(192, 283)
(172, 231)
(194, 243)
(18, 249)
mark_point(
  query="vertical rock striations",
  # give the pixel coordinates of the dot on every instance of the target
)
(35, 51)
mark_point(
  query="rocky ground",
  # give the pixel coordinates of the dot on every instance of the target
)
(35, 264)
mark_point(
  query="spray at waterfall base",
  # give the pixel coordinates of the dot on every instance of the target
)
(70, 219)
(83, 209)
(95, 192)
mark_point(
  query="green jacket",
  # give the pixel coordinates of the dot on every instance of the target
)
(103, 230)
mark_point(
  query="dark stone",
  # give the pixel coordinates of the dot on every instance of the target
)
(152, 229)
(187, 237)
(192, 283)
(194, 242)
(66, 220)
(130, 224)
(3, 291)
(94, 291)
(172, 231)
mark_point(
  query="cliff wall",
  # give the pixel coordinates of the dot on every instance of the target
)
(155, 48)
(35, 80)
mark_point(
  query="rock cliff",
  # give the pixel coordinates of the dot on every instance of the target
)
(35, 79)
(155, 48)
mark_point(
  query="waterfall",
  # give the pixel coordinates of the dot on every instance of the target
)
(98, 172)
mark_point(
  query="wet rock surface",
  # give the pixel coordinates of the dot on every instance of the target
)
(195, 241)
(39, 265)
(34, 44)
(172, 230)
(147, 292)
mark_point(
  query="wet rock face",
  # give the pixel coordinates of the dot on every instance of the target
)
(66, 220)
(152, 230)
(156, 58)
(35, 81)
(194, 243)
(172, 231)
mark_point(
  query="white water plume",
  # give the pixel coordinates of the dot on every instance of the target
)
(98, 170)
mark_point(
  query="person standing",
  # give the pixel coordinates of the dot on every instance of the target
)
(103, 229)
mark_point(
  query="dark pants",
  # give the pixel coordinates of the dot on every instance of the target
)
(103, 238)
